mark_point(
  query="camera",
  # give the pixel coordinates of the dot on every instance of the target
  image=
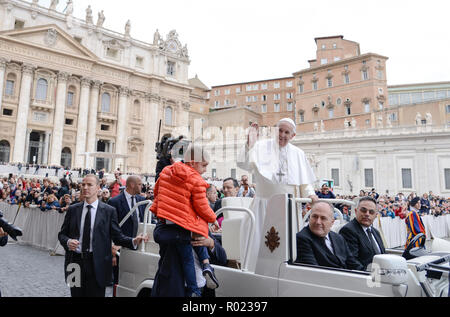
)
(171, 148)
(12, 231)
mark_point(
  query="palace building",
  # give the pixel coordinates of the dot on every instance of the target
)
(78, 95)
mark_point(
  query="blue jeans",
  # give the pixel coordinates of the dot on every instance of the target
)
(181, 239)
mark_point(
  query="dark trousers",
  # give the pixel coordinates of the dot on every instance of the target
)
(180, 238)
(89, 286)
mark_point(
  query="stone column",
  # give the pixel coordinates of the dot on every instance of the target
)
(122, 118)
(45, 151)
(22, 113)
(2, 79)
(27, 145)
(80, 159)
(92, 124)
(58, 122)
(151, 124)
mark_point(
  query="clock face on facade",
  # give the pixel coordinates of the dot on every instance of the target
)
(172, 46)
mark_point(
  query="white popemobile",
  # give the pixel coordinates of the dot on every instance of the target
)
(274, 271)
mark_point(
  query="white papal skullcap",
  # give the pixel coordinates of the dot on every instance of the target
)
(290, 121)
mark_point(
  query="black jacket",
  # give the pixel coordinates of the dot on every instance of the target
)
(358, 242)
(312, 249)
(120, 203)
(106, 230)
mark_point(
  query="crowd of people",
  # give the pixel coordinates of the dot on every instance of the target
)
(50, 195)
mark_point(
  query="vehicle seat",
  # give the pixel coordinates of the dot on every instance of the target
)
(235, 228)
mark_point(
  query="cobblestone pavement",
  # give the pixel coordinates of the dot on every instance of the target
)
(29, 272)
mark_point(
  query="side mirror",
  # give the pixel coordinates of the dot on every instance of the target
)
(389, 269)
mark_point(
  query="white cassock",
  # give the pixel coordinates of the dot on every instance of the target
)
(276, 171)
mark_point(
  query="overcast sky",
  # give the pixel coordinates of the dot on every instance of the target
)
(245, 40)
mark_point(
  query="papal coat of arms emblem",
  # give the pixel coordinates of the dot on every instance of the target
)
(51, 37)
(272, 239)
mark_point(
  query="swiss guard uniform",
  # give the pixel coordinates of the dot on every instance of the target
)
(414, 225)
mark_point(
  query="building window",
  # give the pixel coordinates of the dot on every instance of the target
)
(233, 173)
(255, 98)
(106, 102)
(263, 108)
(348, 110)
(289, 106)
(302, 117)
(315, 87)
(380, 105)
(339, 101)
(406, 178)
(329, 82)
(7, 112)
(368, 177)
(263, 86)
(447, 108)
(276, 107)
(249, 88)
(255, 87)
(70, 96)
(366, 107)
(227, 91)
(335, 176)
(447, 178)
(216, 104)
(393, 117)
(276, 97)
(104, 127)
(139, 61)
(300, 88)
(238, 90)
(137, 110)
(346, 78)
(368, 122)
(9, 91)
(227, 102)
(5, 150)
(289, 84)
(248, 98)
(171, 68)
(69, 121)
(41, 89)
(323, 61)
(334, 45)
(380, 74)
(112, 53)
(330, 113)
(276, 85)
(289, 95)
(264, 98)
(18, 24)
(168, 116)
(365, 74)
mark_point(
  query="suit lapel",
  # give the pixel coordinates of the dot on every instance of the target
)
(365, 238)
(377, 237)
(78, 215)
(98, 216)
(336, 250)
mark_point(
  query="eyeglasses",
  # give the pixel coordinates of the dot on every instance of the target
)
(364, 210)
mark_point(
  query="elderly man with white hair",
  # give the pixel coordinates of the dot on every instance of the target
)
(279, 167)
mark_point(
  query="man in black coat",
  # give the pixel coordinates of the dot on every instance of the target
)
(169, 279)
(123, 203)
(363, 240)
(86, 234)
(318, 245)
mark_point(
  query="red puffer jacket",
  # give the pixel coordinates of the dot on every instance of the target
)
(180, 196)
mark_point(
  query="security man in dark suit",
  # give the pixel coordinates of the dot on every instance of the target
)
(123, 203)
(86, 234)
(318, 245)
(363, 240)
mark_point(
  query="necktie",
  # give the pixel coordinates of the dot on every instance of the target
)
(372, 240)
(134, 215)
(87, 231)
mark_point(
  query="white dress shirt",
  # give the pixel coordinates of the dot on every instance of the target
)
(83, 217)
(128, 197)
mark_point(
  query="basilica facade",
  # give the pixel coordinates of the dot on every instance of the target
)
(76, 94)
